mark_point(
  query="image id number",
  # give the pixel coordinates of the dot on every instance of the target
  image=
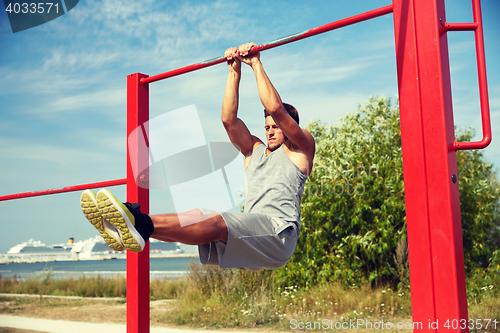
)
(471, 324)
(32, 8)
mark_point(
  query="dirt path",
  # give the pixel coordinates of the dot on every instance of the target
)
(15, 324)
(69, 314)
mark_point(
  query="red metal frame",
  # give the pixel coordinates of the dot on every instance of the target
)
(137, 263)
(477, 27)
(137, 115)
(429, 159)
(282, 41)
(64, 189)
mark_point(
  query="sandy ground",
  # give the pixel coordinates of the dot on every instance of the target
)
(30, 314)
(16, 324)
(76, 315)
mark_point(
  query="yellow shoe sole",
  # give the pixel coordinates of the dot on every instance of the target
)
(118, 214)
(88, 203)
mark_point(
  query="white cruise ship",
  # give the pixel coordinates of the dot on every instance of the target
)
(91, 249)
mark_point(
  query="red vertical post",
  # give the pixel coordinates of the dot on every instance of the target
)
(137, 263)
(437, 272)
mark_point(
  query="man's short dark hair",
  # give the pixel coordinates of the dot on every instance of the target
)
(291, 111)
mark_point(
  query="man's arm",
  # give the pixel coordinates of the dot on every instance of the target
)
(236, 129)
(272, 103)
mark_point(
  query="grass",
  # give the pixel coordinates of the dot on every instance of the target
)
(218, 298)
(42, 284)
(484, 303)
(214, 298)
(22, 303)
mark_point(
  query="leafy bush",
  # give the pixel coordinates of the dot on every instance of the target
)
(219, 298)
(353, 207)
(479, 205)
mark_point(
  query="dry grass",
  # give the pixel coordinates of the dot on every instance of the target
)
(90, 310)
(213, 298)
(85, 310)
(43, 284)
(218, 298)
(96, 286)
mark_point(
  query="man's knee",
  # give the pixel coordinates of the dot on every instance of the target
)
(222, 228)
(200, 211)
(196, 211)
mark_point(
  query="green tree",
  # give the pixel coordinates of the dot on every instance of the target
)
(353, 208)
(479, 206)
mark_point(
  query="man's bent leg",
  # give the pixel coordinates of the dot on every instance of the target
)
(164, 238)
(192, 228)
(196, 227)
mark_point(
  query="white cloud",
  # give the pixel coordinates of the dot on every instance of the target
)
(25, 149)
(89, 101)
(73, 61)
(43, 82)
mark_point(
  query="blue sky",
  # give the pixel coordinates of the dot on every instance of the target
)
(63, 87)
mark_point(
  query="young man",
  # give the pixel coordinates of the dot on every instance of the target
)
(265, 235)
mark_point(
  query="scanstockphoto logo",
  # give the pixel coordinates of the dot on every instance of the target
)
(172, 154)
(26, 14)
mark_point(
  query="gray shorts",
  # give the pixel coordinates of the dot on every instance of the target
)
(254, 242)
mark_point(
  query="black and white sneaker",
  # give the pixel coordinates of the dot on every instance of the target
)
(109, 232)
(134, 227)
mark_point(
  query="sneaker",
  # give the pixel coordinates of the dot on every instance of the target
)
(88, 203)
(134, 226)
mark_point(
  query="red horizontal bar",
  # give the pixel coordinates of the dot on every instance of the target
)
(460, 26)
(293, 38)
(64, 189)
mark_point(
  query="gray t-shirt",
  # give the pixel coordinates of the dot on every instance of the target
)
(274, 185)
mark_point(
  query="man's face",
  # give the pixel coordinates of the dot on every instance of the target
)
(274, 135)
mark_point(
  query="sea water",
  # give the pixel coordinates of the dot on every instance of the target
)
(159, 268)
